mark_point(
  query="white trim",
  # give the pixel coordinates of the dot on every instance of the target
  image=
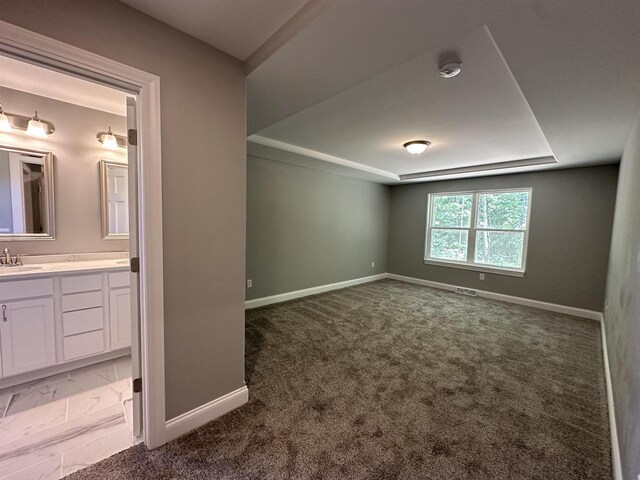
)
(197, 417)
(283, 297)
(552, 307)
(476, 268)
(287, 147)
(44, 51)
(615, 447)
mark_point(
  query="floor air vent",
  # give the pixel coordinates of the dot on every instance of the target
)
(466, 291)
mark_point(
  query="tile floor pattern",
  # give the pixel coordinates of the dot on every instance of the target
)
(52, 427)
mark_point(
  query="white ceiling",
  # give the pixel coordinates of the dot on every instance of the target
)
(237, 27)
(335, 88)
(29, 78)
(478, 117)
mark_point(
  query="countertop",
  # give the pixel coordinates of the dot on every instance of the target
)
(53, 268)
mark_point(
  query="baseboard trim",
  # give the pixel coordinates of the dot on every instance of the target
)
(283, 297)
(615, 447)
(178, 426)
(553, 307)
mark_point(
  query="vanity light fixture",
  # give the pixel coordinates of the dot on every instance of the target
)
(111, 141)
(35, 127)
(416, 147)
(5, 126)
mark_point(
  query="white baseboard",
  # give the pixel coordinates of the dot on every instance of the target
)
(553, 307)
(283, 297)
(615, 447)
(197, 417)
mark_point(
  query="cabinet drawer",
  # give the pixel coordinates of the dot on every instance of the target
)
(80, 301)
(38, 287)
(82, 321)
(83, 344)
(119, 279)
(81, 283)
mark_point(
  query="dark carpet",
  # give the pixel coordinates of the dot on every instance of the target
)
(389, 380)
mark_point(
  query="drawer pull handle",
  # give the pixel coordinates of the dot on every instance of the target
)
(4, 313)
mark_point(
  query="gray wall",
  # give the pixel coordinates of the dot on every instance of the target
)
(570, 232)
(622, 314)
(77, 154)
(307, 228)
(203, 182)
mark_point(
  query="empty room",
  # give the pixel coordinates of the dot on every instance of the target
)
(320, 239)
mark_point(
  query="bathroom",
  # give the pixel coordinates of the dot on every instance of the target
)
(66, 325)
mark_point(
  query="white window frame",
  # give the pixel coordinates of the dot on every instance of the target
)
(469, 264)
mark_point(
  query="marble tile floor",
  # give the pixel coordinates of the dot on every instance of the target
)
(52, 427)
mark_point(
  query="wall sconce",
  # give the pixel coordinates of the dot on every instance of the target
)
(111, 141)
(32, 126)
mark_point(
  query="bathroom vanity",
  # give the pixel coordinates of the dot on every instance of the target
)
(61, 315)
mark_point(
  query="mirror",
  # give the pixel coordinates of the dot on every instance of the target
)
(114, 189)
(26, 194)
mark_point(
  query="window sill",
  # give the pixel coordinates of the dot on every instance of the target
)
(476, 268)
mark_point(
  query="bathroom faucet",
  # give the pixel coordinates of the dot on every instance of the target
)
(8, 261)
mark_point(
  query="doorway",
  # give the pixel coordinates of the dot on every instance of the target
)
(145, 239)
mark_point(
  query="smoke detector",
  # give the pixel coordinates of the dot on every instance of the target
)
(450, 69)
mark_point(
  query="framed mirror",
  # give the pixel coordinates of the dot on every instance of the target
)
(114, 195)
(27, 210)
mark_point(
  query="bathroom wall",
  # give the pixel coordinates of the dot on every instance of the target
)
(202, 94)
(622, 312)
(77, 154)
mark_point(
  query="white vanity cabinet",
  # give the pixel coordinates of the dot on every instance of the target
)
(27, 335)
(120, 309)
(63, 317)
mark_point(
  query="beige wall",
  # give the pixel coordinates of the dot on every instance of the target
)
(622, 314)
(77, 154)
(203, 170)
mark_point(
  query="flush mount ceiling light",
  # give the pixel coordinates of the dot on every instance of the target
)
(416, 147)
(33, 126)
(36, 128)
(450, 69)
(5, 126)
(111, 141)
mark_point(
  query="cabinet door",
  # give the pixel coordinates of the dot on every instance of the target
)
(27, 335)
(120, 317)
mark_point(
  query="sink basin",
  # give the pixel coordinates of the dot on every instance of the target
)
(19, 269)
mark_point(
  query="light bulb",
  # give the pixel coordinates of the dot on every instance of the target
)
(5, 126)
(36, 128)
(109, 140)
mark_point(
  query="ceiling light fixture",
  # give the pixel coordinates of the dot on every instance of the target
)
(5, 125)
(111, 141)
(416, 147)
(36, 128)
(450, 69)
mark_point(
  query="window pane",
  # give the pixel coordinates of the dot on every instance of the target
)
(449, 245)
(451, 211)
(500, 249)
(506, 211)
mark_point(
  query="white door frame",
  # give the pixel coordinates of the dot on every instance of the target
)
(38, 49)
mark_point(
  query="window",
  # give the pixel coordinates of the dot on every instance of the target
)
(484, 230)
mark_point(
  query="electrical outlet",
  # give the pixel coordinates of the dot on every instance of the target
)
(482, 276)
(373, 264)
(249, 283)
